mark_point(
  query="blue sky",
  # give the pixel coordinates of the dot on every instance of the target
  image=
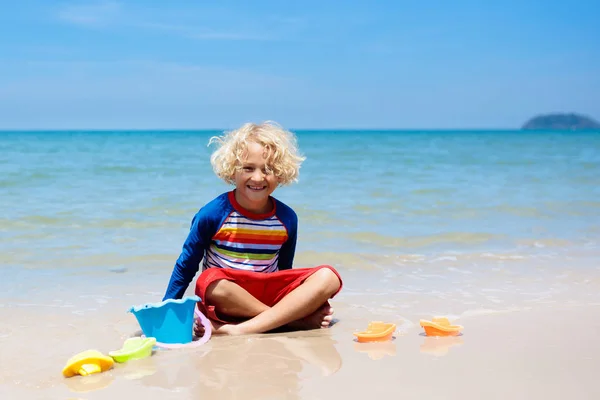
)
(162, 64)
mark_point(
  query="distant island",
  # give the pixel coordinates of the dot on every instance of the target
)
(571, 121)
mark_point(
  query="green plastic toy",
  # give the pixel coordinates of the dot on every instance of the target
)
(134, 348)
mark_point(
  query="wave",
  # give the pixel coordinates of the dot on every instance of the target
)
(455, 238)
(127, 169)
(40, 221)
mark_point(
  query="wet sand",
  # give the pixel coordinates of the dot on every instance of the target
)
(545, 352)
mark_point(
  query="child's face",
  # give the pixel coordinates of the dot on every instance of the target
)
(253, 184)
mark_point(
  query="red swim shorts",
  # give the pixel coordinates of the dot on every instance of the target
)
(269, 288)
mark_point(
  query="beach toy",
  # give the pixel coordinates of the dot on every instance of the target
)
(134, 348)
(440, 327)
(376, 332)
(87, 363)
(171, 322)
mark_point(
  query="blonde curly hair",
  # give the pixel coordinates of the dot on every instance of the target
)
(283, 158)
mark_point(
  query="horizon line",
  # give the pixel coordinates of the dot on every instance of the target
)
(489, 129)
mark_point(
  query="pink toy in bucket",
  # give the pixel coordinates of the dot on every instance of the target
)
(171, 322)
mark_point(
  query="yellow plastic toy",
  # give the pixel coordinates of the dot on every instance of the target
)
(134, 348)
(87, 363)
(377, 331)
(440, 327)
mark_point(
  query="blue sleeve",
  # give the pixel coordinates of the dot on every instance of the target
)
(288, 250)
(201, 232)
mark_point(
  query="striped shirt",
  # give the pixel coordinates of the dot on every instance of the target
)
(224, 235)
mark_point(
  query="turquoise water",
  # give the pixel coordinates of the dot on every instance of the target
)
(106, 204)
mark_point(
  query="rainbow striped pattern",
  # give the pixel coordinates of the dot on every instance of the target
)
(225, 235)
(246, 244)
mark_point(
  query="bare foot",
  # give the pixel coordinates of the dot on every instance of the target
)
(322, 318)
(230, 329)
(218, 328)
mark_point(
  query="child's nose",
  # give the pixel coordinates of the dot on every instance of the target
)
(258, 175)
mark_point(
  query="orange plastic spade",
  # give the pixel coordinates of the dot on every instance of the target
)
(440, 327)
(377, 331)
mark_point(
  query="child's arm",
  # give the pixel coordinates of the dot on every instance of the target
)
(288, 250)
(192, 252)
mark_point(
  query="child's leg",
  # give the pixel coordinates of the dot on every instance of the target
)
(231, 299)
(234, 294)
(301, 302)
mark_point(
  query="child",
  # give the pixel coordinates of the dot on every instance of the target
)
(248, 239)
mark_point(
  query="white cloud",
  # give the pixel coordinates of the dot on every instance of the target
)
(111, 13)
(202, 33)
(97, 14)
(144, 94)
(148, 81)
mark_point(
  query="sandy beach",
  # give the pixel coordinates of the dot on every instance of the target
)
(542, 352)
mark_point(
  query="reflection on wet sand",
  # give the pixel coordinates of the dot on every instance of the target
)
(439, 346)
(84, 384)
(376, 350)
(265, 366)
(138, 369)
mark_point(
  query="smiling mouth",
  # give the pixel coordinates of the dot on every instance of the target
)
(256, 188)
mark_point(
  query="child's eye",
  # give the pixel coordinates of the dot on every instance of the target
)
(248, 169)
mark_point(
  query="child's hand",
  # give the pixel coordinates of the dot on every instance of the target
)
(198, 328)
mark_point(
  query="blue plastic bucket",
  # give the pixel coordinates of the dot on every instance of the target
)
(170, 321)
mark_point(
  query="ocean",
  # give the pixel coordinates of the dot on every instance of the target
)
(107, 207)
(496, 230)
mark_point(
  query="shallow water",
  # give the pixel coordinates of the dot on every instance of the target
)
(92, 208)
